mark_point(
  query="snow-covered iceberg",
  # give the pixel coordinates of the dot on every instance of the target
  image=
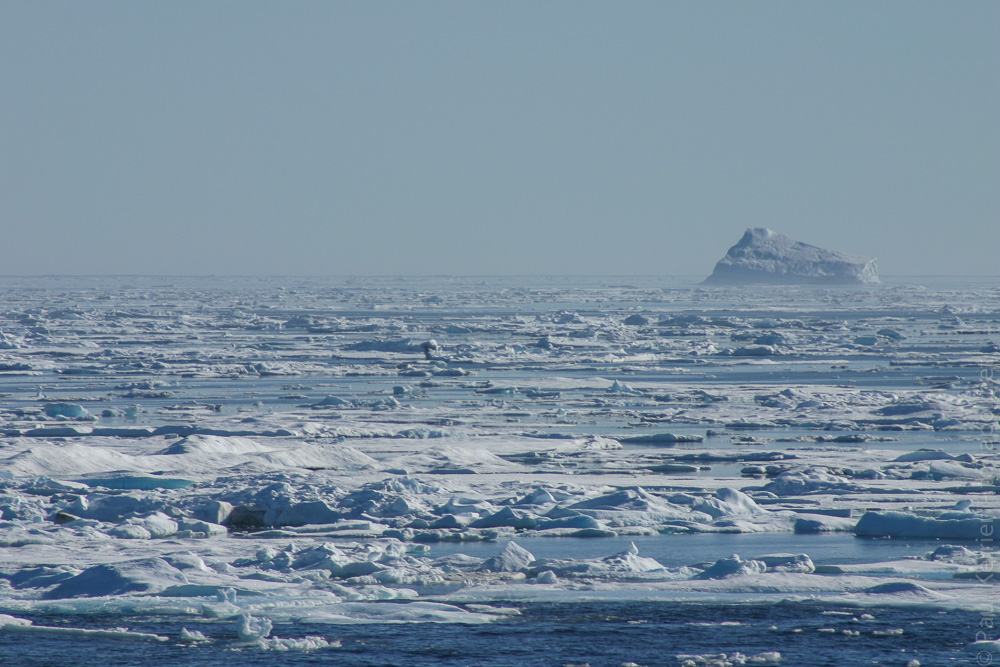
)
(764, 256)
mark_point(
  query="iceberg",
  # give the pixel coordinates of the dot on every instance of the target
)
(764, 256)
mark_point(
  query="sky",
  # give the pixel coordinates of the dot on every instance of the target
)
(494, 138)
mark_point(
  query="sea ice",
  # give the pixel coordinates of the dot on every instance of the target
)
(310, 457)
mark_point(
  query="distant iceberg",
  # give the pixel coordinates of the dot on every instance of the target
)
(764, 256)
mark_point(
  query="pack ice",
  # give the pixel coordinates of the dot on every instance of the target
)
(764, 256)
(250, 453)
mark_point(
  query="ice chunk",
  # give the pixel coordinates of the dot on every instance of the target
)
(214, 511)
(953, 553)
(252, 629)
(947, 470)
(332, 401)
(962, 526)
(625, 565)
(724, 660)
(622, 388)
(985, 648)
(301, 514)
(737, 502)
(763, 256)
(310, 643)
(513, 558)
(788, 563)
(156, 524)
(192, 636)
(630, 561)
(13, 621)
(66, 411)
(818, 523)
(732, 567)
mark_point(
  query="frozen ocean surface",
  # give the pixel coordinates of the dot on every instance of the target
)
(494, 471)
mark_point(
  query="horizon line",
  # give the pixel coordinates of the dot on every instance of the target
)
(437, 275)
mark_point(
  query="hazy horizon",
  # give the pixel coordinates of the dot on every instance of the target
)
(443, 138)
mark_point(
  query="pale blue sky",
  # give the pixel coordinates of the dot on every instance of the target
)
(328, 138)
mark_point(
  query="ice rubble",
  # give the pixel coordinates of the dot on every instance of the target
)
(764, 256)
(729, 659)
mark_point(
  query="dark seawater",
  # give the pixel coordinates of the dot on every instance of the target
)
(598, 634)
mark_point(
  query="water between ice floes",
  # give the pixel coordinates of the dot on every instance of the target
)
(680, 550)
